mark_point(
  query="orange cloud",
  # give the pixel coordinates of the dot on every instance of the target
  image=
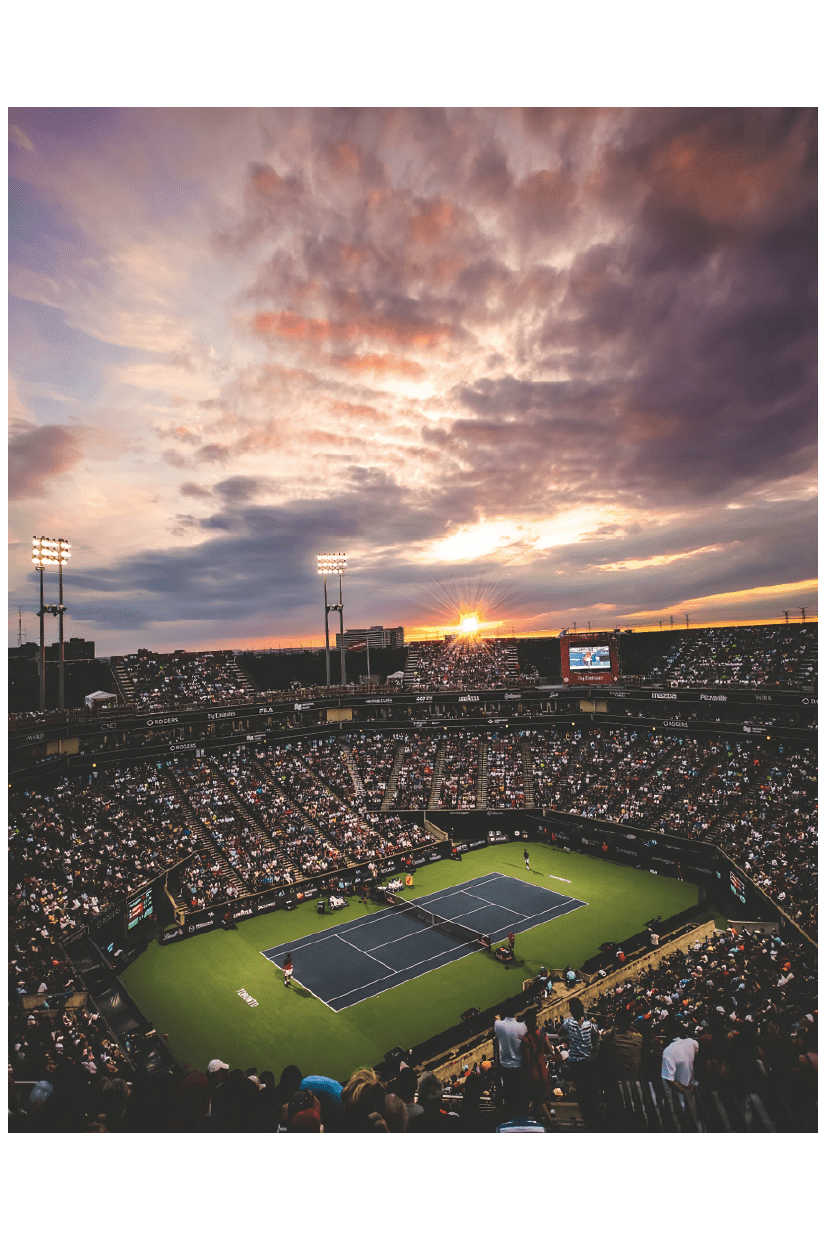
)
(294, 327)
(344, 157)
(380, 364)
(290, 326)
(722, 180)
(431, 221)
(360, 411)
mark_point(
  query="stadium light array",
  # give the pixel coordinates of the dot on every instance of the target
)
(50, 553)
(332, 562)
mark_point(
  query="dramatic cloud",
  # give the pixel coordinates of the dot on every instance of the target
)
(36, 454)
(572, 351)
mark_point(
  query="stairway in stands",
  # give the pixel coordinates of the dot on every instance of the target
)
(255, 819)
(528, 773)
(436, 783)
(411, 664)
(651, 1106)
(202, 840)
(243, 679)
(333, 794)
(266, 777)
(513, 664)
(354, 773)
(482, 773)
(393, 778)
(123, 680)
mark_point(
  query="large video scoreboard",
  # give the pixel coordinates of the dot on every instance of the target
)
(589, 658)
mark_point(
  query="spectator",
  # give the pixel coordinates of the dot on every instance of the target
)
(510, 1033)
(434, 1117)
(581, 1036)
(679, 1059)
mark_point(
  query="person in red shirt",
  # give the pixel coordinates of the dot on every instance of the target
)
(288, 968)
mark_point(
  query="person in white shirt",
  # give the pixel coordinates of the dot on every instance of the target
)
(509, 1034)
(678, 1064)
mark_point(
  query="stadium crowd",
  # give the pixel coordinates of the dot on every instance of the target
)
(416, 771)
(251, 854)
(756, 800)
(736, 1011)
(779, 656)
(308, 852)
(374, 757)
(505, 772)
(747, 1002)
(164, 681)
(458, 789)
(466, 663)
(83, 845)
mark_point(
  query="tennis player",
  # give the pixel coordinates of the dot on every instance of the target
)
(288, 968)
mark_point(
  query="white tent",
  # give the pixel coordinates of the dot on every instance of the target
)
(396, 676)
(99, 698)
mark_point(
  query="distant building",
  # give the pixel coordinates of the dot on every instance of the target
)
(376, 636)
(28, 650)
(75, 648)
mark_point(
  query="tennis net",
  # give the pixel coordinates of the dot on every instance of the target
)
(454, 929)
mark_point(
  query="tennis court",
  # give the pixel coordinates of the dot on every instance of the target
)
(344, 965)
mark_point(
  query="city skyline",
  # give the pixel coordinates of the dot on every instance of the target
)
(561, 360)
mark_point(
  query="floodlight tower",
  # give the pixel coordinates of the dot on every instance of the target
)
(333, 563)
(47, 552)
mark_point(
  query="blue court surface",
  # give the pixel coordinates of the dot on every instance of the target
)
(359, 959)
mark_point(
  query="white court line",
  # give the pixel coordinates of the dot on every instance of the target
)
(376, 946)
(362, 952)
(330, 932)
(311, 992)
(459, 947)
(461, 889)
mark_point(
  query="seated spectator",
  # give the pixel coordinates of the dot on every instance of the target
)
(433, 1118)
(363, 1103)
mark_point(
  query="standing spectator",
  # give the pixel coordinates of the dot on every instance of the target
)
(533, 1049)
(434, 1117)
(509, 1034)
(678, 1064)
(582, 1035)
(405, 1088)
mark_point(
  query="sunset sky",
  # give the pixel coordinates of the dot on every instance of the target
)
(558, 364)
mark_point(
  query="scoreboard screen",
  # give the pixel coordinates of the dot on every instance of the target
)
(138, 908)
(737, 887)
(590, 658)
